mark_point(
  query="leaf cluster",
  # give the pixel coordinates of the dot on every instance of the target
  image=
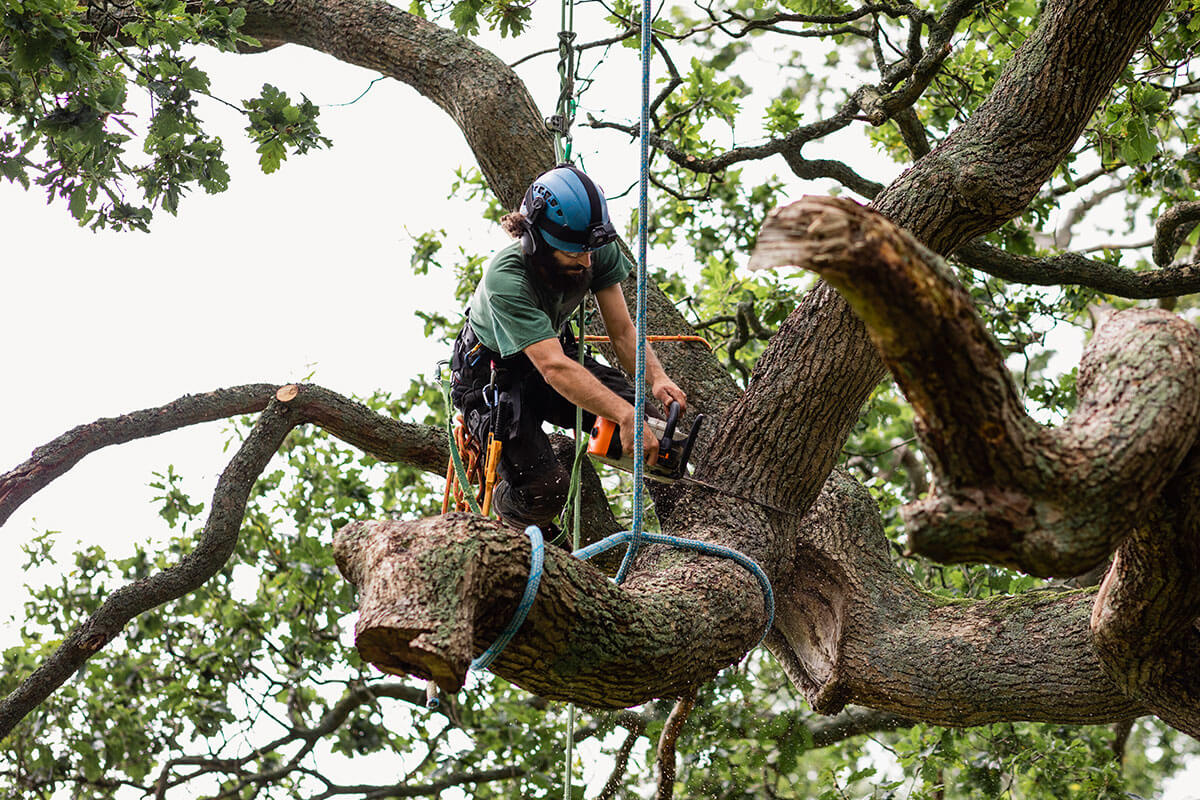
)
(80, 85)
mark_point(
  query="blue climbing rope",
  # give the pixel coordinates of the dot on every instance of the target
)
(706, 548)
(639, 407)
(536, 557)
(616, 540)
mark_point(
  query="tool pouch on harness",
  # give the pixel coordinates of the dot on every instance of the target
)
(507, 414)
(486, 408)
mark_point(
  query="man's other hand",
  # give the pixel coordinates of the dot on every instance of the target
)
(649, 440)
(666, 392)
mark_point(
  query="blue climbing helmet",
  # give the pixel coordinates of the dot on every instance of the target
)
(568, 210)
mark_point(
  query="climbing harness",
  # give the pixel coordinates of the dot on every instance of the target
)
(479, 468)
(458, 474)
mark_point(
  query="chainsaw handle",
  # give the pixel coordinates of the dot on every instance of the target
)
(669, 432)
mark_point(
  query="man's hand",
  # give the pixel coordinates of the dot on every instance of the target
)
(666, 392)
(649, 439)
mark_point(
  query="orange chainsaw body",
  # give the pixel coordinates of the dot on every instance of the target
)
(604, 445)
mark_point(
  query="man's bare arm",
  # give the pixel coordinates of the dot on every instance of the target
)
(623, 334)
(572, 380)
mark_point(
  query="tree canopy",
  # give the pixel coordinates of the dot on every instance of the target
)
(984, 564)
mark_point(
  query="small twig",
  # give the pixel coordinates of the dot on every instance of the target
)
(636, 725)
(666, 744)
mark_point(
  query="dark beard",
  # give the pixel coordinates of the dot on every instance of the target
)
(552, 275)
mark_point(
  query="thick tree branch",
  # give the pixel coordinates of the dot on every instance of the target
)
(853, 628)
(215, 544)
(55, 458)
(1079, 270)
(435, 593)
(1077, 53)
(385, 438)
(802, 400)
(1008, 491)
(1144, 621)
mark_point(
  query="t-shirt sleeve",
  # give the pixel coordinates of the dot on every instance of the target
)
(609, 266)
(517, 322)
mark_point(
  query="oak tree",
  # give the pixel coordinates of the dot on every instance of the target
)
(1008, 123)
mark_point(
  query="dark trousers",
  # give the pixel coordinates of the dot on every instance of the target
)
(533, 485)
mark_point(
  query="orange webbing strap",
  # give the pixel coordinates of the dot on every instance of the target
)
(489, 481)
(660, 338)
(480, 469)
(450, 483)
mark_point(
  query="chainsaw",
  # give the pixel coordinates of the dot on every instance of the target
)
(604, 445)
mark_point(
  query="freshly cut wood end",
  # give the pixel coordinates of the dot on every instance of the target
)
(286, 394)
(397, 652)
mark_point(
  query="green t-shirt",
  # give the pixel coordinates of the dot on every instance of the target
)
(511, 309)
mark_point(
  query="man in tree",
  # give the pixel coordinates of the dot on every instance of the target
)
(516, 363)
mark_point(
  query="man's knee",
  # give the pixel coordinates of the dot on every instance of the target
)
(536, 501)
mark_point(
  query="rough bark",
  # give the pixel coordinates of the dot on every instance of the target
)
(1145, 616)
(435, 593)
(1007, 490)
(855, 629)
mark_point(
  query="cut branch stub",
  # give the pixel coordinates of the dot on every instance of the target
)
(1007, 491)
(436, 592)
